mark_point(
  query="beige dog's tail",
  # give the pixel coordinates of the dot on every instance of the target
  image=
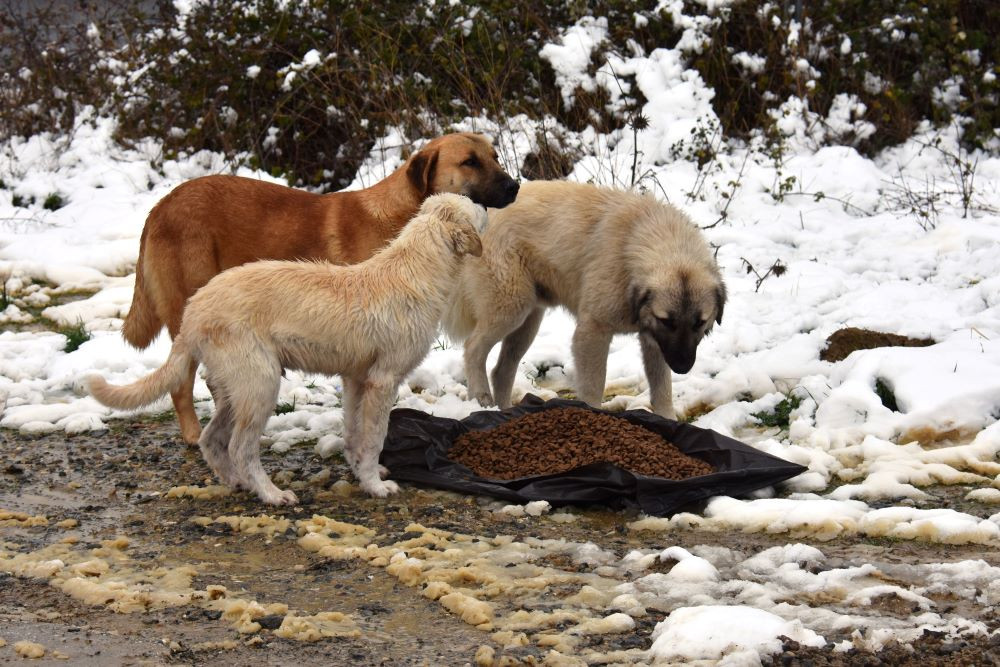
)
(142, 323)
(166, 378)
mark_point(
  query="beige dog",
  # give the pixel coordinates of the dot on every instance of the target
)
(620, 262)
(214, 223)
(372, 323)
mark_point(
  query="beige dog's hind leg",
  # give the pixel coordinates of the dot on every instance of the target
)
(377, 394)
(658, 378)
(591, 343)
(514, 345)
(504, 297)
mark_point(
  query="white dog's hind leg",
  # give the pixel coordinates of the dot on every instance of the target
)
(378, 393)
(214, 443)
(253, 403)
(590, 356)
(658, 377)
(515, 344)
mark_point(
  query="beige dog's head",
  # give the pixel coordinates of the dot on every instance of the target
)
(464, 164)
(460, 219)
(676, 309)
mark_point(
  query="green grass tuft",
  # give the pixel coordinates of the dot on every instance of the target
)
(76, 335)
(53, 202)
(781, 413)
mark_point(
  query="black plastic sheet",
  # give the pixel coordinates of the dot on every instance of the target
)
(417, 444)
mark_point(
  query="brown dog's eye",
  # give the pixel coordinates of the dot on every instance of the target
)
(668, 323)
(699, 323)
(471, 161)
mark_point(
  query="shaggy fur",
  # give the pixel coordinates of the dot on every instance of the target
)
(619, 261)
(372, 323)
(214, 223)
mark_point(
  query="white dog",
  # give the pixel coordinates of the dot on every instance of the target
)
(372, 323)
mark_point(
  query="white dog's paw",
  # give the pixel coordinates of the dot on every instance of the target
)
(383, 472)
(280, 497)
(380, 488)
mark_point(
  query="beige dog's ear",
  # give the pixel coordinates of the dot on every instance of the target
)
(465, 241)
(720, 301)
(421, 170)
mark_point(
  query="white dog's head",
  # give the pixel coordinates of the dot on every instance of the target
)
(464, 221)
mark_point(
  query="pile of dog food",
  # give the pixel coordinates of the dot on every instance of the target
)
(557, 440)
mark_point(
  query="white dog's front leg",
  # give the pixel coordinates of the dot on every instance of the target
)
(590, 356)
(658, 377)
(372, 420)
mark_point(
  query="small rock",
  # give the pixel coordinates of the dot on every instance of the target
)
(271, 621)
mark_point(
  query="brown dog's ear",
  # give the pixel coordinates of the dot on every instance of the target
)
(465, 241)
(720, 301)
(421, 171)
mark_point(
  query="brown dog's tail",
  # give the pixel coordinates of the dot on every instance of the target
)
(164, 379)
(142, 323)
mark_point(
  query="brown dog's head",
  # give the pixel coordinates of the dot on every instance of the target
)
(464, 164)
(677, 313)
(461, 222)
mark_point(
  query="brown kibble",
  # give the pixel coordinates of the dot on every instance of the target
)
(557, 440)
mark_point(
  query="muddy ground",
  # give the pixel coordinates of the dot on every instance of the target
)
(113, 484)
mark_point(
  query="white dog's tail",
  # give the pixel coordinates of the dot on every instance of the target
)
(459, 318)
(143, 392)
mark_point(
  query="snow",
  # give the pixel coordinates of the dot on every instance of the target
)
(739, 633)
(853, 258)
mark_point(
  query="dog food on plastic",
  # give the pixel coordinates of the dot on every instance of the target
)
(554, 441)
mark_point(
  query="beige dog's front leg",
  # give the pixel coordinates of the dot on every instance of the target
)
(658, 377)
(377, 394)
(477, 348)
(590, 356)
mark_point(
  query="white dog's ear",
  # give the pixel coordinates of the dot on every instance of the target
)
(421, 171)
(465, 241)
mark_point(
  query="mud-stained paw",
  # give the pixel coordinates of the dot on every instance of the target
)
(380, 488)
(484, 398)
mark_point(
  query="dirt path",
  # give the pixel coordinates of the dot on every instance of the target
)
(195, 589)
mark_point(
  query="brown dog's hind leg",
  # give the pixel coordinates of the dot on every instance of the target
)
(183, 398)
(514, 345)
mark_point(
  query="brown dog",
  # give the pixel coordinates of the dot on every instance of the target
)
(213, 223)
